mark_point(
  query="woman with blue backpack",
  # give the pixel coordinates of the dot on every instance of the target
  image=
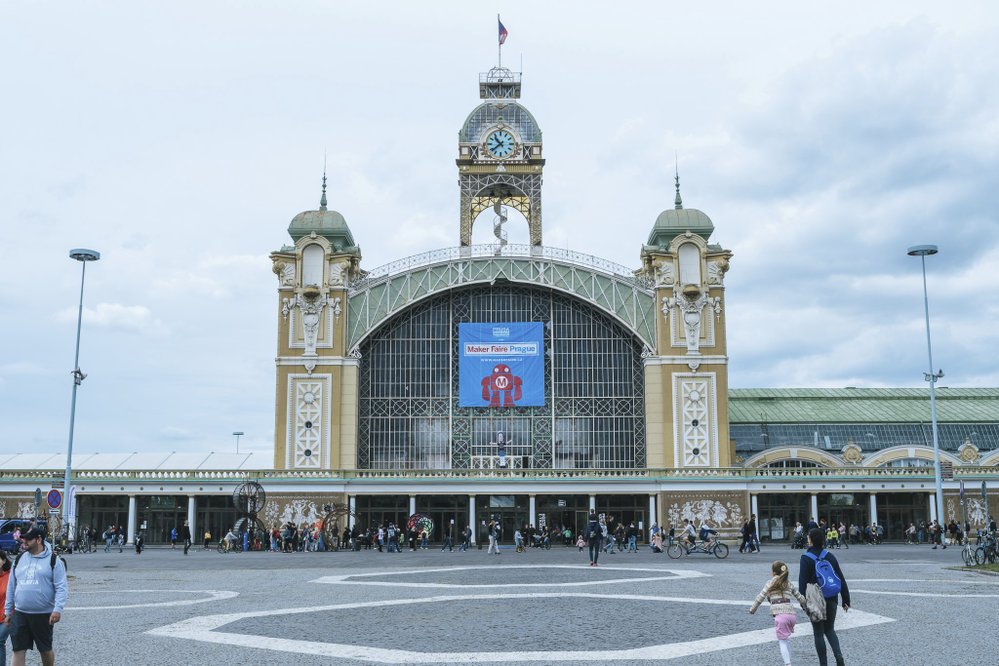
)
(818, 568)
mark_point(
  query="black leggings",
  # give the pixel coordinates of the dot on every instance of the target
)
(825, 631)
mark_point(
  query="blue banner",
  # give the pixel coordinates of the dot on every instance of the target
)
(501, 365)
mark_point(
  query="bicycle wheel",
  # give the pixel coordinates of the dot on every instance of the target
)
(968, 555)
(980, 555)
(720, 551)
(675, 551)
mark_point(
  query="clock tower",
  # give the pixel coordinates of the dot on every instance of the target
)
(499, 157)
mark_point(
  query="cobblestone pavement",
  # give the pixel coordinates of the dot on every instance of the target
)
(911, 606)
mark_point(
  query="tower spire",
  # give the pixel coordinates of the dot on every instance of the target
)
(322, 199)
(677, 202)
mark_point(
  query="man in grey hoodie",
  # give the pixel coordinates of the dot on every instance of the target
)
(36, 595)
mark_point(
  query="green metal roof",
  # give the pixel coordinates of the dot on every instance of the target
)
(862, 405)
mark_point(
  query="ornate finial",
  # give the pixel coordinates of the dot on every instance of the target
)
(678, 202)
(322, 200)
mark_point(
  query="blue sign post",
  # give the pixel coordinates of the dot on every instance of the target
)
(501, 365)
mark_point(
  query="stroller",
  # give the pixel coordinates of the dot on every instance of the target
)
(799, 540)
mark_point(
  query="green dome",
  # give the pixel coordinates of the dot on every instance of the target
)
(676, 221)
(326, 223)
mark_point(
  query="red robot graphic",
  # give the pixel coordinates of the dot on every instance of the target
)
(502, 382)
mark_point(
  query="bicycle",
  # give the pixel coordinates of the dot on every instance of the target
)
(987, 552)
(228, 546)
(968, 554)
(711, 547)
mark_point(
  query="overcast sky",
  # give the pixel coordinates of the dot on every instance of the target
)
(179, 139)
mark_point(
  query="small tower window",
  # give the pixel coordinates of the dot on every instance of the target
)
(690, 264)
(312, 265)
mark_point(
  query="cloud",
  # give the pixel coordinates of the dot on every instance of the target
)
(176, 433)
(137, 318)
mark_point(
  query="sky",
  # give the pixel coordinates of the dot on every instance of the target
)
(179, 139)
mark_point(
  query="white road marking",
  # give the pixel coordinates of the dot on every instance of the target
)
(930, 581)
(204, 629)
(352, 579)
(213, 595)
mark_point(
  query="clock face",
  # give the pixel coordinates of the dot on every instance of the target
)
(500, 143)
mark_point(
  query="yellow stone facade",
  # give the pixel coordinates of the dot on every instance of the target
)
(315, 410)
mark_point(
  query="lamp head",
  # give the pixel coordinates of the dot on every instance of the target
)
(82, 254)
(922, 250)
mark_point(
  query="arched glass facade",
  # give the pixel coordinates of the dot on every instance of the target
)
(594, 413)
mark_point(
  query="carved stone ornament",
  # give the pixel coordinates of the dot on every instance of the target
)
(285, 272)
(310, 365)
(968, 452)
(852, 454)
(311, 310)
(716, 271)
(335, 305)
(664, 275)
(355, 352)
(693, 364)
(647, 351)
(690, 309)
(336, 276)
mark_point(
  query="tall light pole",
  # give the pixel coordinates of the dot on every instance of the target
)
(923, 251)
(83, 256)
(237, 435)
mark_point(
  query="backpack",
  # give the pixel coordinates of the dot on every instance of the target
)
(594, 530)
(825, 575)
(52, 561)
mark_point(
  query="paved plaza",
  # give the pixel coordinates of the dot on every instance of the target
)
(911, 606)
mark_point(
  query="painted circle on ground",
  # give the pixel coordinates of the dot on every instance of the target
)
(205, 629)
(210, 595)
(660, 574)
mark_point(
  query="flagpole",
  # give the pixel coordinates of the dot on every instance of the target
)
(499, 45)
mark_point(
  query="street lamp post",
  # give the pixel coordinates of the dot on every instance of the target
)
(923, 251)
(237, 435)
(83, 256)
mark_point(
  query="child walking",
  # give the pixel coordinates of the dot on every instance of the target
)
(778, 591)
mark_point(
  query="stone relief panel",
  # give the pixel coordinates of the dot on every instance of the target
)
(298, 510)
(975, 509)
(19, 507)
(695, 420)
(725, 510)
(308, 422)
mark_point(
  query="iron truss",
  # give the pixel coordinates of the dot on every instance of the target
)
(388, 290)
(481, 191)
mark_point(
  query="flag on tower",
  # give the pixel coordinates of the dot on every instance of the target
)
(502, 31)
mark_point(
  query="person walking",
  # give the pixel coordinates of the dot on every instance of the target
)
(39, 602)
(466, 539)
(754, 537)
(448, 539)
(632, 538)
(185, 534)
(593, 535)
(823, 630)
(778, 591)
(493, 537)
(5, 565)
